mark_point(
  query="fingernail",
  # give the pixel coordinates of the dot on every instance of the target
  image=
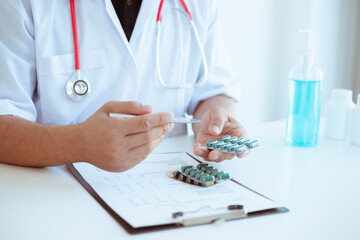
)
(148, 108)
(216, 157)
(200, 152)
(203, 147)
(215, 129)
(171, 126)
(170, 117)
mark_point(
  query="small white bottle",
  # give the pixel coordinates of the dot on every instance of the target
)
(354, 135)
(337, 113)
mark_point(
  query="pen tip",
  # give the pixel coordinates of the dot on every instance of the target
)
(195, 121)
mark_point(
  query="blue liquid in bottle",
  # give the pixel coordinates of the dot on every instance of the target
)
(304, 110)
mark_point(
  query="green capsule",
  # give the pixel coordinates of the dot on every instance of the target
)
(183, 168)
(253, 144)
(211, 144)
(219, 144)
(189, 180)
(207, 179)
(176, 174)
(209, 171)
(188, 170)
(239, 141)
(198, 176)
(246, 142)
(224, 147)
(224, 176)
(219, 174)
(232, 140)
(231, 148)
(240, 149)
(182, 177)
(213, 172)
(224, 139)
(206, 169)
(201, 165)
(193, 174)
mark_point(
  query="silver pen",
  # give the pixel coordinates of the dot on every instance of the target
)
(175, 120)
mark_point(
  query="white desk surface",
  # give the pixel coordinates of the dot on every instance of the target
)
(319, 185)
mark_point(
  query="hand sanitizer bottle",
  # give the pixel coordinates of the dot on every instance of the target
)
(304, 104)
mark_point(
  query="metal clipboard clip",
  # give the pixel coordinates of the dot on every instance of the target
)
(209, 214)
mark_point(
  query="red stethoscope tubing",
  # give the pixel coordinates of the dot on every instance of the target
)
(158, 18)
(75, 35)
(75, 32)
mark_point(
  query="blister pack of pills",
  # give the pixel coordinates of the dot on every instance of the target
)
(201, 175)
(233, 145)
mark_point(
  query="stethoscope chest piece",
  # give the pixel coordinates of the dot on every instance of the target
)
(77, 89)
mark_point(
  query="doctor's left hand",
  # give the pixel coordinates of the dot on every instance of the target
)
(216, 123)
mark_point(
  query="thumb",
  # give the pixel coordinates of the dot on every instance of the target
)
(218, 117)
(131, 107)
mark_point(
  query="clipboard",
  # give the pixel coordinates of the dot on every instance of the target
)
(203, 215)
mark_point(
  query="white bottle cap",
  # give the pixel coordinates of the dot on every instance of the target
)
(343, 95)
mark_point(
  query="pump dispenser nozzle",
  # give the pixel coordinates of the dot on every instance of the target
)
(308, 51)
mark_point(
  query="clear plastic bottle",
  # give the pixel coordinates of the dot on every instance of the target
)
(304, 104)
(354, 135)
(337, 114)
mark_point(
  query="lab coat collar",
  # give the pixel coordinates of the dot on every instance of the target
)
(146, 10)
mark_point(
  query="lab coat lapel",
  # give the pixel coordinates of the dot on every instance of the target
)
(115, 20)
(147, 9)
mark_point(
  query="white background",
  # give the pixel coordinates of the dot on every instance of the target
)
(264, 44)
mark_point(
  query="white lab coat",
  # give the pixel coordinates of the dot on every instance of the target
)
(37, 58)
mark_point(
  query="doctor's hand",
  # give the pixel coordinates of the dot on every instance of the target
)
(216, 123)
(118, 144)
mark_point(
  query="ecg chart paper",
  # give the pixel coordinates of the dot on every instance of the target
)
(146, 196)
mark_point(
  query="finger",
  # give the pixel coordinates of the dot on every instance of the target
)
(243, 154)
(218, 117)
(138, 139)
(146, 122)
(235, 129)
(201, 151)
(218, 156)
(141, 152)
(131, 107)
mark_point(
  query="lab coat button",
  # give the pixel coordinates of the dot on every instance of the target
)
(129, 62)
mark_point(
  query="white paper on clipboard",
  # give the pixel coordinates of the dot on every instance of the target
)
(144, 196)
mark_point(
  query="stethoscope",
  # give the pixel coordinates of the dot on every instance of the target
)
(78, 87)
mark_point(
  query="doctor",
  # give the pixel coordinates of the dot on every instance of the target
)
(114, 59)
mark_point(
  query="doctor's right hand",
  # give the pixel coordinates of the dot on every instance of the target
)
(118, 144)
